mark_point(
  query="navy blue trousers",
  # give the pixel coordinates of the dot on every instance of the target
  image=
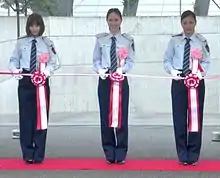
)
(188, 145)
(32, 141)
(114, 141)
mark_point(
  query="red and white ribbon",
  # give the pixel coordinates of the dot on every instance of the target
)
(192, 83)
(115, 105)
(41, 94)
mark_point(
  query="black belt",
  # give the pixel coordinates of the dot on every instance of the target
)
(181, 75)
(109, 72)
(24, 71)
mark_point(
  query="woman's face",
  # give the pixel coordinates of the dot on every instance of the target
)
(35, 29)
(114, 22)
(188, 25)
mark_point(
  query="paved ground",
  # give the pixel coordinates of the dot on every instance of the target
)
(104, 174)
(74, 141)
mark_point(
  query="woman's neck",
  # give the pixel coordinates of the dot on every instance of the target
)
(189, 34)
(115, 32)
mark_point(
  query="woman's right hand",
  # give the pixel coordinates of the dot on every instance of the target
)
(102, 73)
(16, 75)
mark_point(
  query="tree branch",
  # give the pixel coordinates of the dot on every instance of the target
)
(9, 4)
(25, 5)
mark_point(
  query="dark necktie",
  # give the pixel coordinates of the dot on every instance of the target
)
(33, 61)
(186, 61)
(113, 55)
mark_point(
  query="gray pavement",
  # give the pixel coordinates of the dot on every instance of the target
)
(155, 142)
(106, 174)
(144, 142)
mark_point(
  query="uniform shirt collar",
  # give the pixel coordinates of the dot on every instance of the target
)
(116, 36)
(36, 38)
(193, 37)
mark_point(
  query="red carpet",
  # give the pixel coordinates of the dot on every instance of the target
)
(99, 164)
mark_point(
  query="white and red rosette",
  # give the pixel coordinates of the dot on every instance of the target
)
(191, 81)
(116, 77)
(38, 78)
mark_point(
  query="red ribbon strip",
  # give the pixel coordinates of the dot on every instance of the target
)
(115, 107)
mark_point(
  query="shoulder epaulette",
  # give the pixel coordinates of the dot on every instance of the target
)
(100, 35)
(180, 34)
(49, 43)
(201, 37)
(127, 36)
(47, 40)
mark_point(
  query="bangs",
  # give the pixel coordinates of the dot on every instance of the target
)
(34, 23)
(35, 19)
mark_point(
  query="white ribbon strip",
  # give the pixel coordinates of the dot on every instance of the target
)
(193, 110)
(41, 104)
(193, 102)
(115, 104)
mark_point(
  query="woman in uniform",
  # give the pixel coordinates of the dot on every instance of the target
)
(105, 61)
(177, 63)
(25, 60)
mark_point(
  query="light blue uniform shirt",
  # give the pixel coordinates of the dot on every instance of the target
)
(174, 55)
(21, 55)
(101, 53)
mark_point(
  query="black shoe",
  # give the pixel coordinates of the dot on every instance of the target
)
(183, 163)
(110, 161)
(29, 161)
(38, 161)
(120, 162)
(193, 163)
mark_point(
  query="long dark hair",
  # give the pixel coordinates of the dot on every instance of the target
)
(35, 19)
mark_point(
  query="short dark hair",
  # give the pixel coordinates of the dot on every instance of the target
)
(188, 13)
(114, 10)
(35, 19)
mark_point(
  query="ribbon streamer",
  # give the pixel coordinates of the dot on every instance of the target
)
(115, 105)
(192, 82)
(41, 92)
(128, 75)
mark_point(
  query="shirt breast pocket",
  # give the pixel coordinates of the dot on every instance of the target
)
(179, 51)
(25, 52)
(105, 48)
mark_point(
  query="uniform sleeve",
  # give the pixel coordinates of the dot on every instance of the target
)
(168, 57)
(129, 63)
(97, 57)
(14, 62)
(53, 63)
(205, 62)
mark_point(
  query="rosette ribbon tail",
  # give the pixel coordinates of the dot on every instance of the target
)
(39, 80)
(42, 104)
(192, 83)
(115, 105)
